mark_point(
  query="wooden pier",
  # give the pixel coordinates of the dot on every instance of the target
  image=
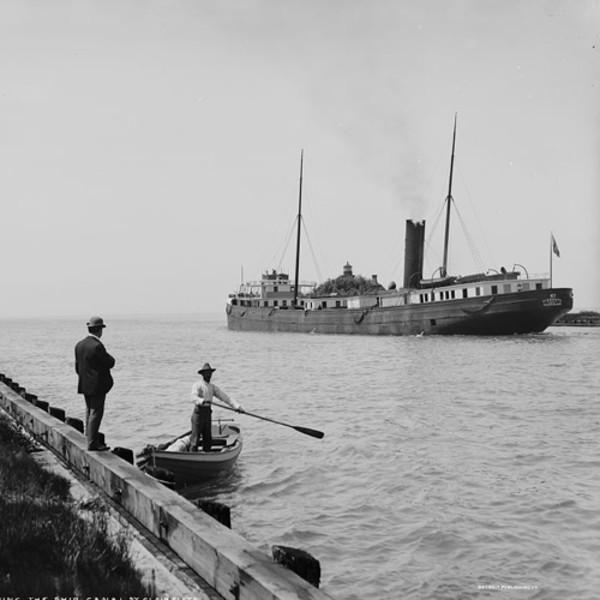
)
(229, 565)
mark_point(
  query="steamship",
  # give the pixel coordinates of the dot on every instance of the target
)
(492, 303)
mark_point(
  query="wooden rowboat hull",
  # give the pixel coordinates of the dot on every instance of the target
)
(194, 467)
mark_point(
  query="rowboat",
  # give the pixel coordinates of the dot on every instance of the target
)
(184, 466)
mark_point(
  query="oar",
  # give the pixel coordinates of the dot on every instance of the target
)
(305, 430)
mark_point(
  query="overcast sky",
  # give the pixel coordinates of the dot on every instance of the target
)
(150, 151)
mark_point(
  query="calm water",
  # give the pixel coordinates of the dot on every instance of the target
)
(451, 467)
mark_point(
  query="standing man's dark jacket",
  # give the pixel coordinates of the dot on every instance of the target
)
(93, 364)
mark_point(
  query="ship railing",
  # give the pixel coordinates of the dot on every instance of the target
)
(252, 284)
(527, 275)
(258, 284)
(255, 288)
(539, 276)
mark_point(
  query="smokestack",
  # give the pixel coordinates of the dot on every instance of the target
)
(413, 253)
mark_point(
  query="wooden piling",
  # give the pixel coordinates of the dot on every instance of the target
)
(299, 561)
(124, 453)
(41, 404)
(217, 510)
(76, 423)
(58, 413)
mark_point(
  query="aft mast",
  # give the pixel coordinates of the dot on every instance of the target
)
(296, 276)
(449, 200)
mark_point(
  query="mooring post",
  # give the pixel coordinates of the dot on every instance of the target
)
(58, 413)
(300, 562)
(217, 510)
(124, 453)
(42, 404)
(76, 423)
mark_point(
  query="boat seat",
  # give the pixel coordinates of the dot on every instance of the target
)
(217, 442)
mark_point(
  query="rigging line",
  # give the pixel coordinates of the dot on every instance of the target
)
(428, 247)
(433, 173)
(395, 269)
(287, 243)
(397, 252)
(436, 223)
(473, 209)
(393, 255)
(474, 251)
(312, 252)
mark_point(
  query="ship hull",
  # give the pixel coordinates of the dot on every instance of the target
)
(502, 314)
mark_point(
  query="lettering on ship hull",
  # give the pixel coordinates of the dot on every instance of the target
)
(552, 300)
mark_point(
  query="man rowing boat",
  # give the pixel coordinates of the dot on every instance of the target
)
(203, 392)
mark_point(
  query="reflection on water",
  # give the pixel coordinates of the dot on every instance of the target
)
(216, 489)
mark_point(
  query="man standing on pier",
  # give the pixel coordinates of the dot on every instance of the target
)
(93, 364)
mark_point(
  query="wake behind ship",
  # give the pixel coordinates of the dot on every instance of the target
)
(492, 303)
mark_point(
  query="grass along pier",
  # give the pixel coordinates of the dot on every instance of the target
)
(48, 548)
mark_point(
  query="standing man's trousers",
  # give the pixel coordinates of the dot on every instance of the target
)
(201, 425)
(94, 411)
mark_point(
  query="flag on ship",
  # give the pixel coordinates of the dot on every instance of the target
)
(555, 246)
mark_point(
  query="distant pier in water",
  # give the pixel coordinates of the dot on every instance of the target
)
(584, 318)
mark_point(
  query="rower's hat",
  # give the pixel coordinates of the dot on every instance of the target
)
(206, 368)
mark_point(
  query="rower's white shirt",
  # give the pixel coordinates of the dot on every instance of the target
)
(203, 393)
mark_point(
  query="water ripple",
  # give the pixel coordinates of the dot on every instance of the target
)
(451, 467)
